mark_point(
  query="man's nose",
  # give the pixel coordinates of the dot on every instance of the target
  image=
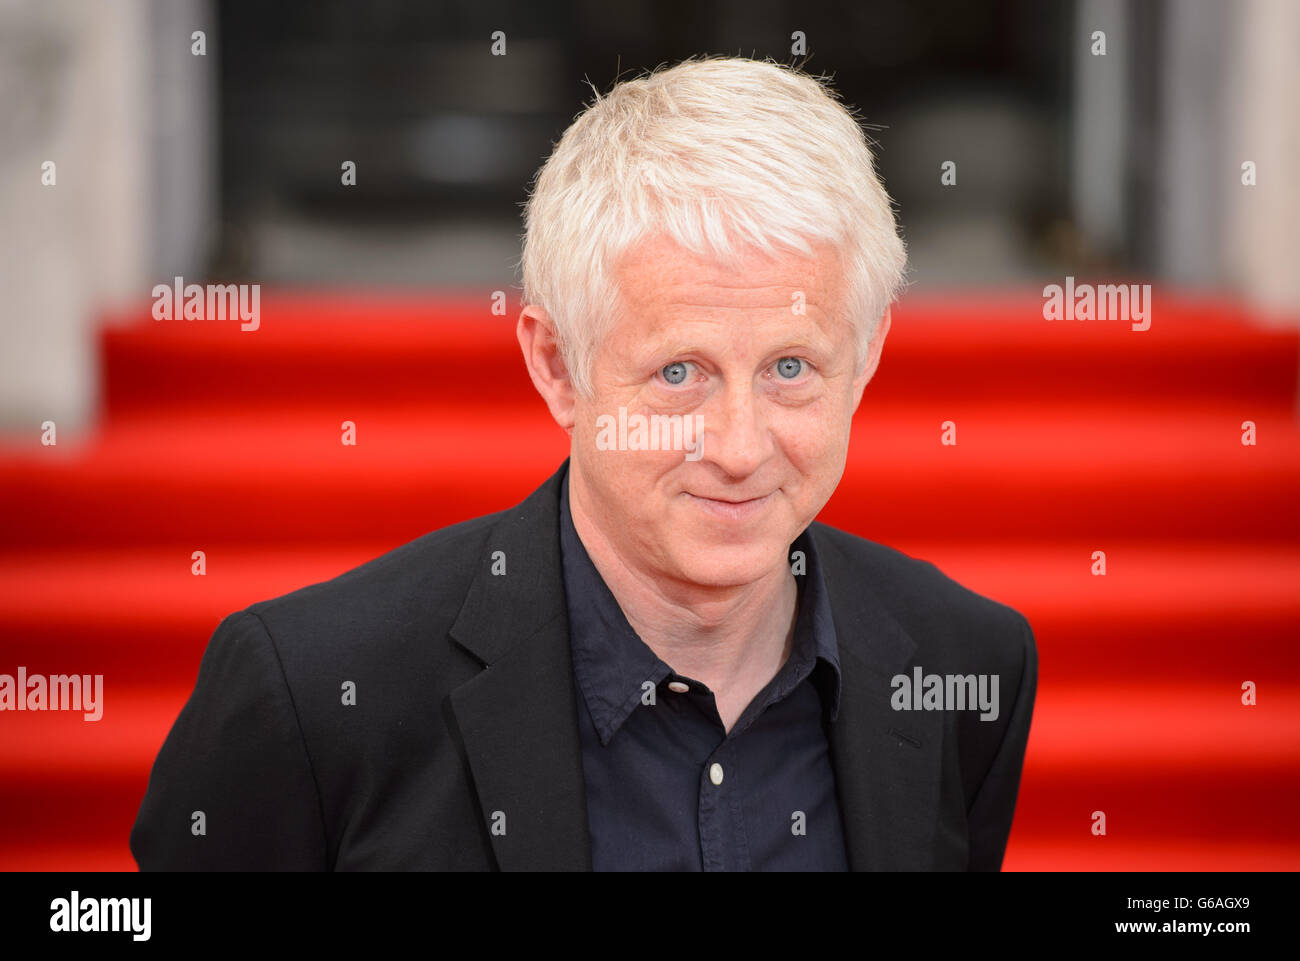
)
(735, 434)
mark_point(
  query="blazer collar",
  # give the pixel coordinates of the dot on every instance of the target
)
(518, 724)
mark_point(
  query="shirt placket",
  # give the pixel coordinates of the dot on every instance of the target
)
(724, 844)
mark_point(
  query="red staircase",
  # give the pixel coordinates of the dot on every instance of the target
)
(1073, 437)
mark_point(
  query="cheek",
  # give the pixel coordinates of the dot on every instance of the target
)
(812, 437)
(635, 480)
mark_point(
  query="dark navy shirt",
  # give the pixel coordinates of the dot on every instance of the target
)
(668, 789)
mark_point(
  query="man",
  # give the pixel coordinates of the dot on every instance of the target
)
(657, 661)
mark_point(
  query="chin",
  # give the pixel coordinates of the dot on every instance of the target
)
(732, 564)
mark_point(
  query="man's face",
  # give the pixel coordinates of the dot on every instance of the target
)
(762, 359)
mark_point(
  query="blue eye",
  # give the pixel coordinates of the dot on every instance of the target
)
(674, 373)
(789, 367)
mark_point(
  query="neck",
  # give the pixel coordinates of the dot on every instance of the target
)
(733, 638)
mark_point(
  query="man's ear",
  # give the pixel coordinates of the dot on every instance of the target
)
(873, 358)
(546, 367)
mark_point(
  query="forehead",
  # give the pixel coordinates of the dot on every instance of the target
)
(658, 275)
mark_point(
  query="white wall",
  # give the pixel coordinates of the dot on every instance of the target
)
(1261, 235)
(100, 90)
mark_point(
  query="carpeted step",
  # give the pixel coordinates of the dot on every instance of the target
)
(1015, 471)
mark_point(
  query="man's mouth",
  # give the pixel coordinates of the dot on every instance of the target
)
(731, 508)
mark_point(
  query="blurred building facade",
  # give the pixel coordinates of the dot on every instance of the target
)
(223, 162)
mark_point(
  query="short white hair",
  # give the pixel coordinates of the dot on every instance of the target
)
(718, 154)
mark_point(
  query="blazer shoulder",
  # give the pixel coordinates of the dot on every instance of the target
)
(408, 588)
(922, 598)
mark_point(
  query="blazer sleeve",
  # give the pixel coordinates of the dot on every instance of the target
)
(235, 765)
(990, 815)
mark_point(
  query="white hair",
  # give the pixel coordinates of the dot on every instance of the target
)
(718, 154)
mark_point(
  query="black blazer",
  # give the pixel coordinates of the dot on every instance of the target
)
(464, 707)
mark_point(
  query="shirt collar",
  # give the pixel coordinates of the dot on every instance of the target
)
(612, 664)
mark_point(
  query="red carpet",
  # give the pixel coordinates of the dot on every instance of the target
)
(1072, 437)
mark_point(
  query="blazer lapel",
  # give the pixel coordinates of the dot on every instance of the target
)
(517, 717)
(887, 763)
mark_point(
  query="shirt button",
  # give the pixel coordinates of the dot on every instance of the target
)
(715, 773)
(677, 687)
